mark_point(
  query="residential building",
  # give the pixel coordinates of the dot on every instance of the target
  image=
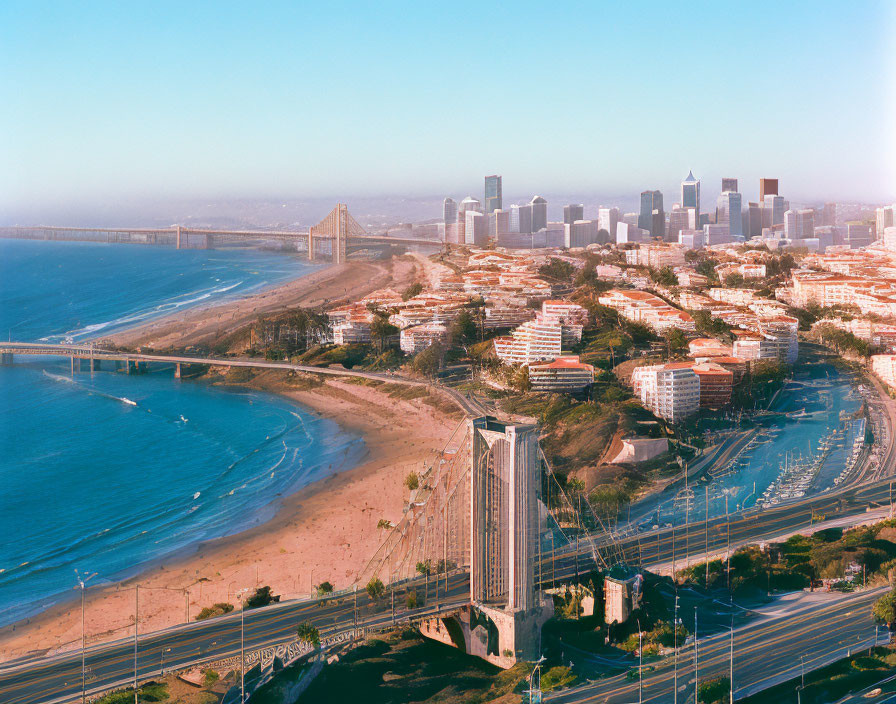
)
(580, 233)
(671, 391)
(533, 341)
(858, 234)
(691, 239)
(564, 374)
(419, 337)
(716, 234)
(493, 196)
(656, 255)
(716, 384)
(646, 308)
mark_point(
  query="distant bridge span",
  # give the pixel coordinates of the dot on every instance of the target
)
(338, 230)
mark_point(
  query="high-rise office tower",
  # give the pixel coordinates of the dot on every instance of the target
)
(829, 214)
(652, 216)
(690, 193)
(475, 228)
(773, 209)
(504, 530)
(729, 185)
(573, 212)
(752, 220)
(728, 212)
(606, 220)
(521, 219)
(883, 218)
(539, 213)
(449, 217)
(493, 196)
(767, 187)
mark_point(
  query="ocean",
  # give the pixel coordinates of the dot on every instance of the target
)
(104, 472)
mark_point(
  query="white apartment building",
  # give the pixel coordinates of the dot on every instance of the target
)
(670, 391)
(564, 374)
(534, 341)
(419, 337)
(656, 256)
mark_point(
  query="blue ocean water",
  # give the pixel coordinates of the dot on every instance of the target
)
(105, 472)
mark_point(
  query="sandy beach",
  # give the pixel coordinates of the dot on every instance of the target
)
(326, 287)
(327, 531)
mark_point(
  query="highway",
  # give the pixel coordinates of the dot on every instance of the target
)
(766, 652)
(58, 678)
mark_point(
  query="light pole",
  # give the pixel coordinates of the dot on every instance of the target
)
(240, 594)
(696, 697)
(675, 650)
(731, 661)
(640, 663)
(136, 624)
(82, 585)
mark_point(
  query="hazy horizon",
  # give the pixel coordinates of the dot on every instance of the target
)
(113, 109)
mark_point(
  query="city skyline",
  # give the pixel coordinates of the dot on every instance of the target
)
(165, 106)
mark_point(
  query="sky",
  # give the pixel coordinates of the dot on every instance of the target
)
(106, 101)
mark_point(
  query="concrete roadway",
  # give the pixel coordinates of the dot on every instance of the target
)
(766, 652)
(58, 678)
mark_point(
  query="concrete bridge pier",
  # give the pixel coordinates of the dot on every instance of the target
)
(6, 359)
(177, 370)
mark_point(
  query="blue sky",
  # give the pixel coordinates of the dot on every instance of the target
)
(167, 99)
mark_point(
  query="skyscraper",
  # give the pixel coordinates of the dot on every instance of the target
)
(767, 187)
(729, 212)
(729, 184)
(539, 213)
(521, 219)
(573, 212)
(449, 217)
(606, 220)
(652, 216)
(690, 193)
(475, 228)
(493, 196)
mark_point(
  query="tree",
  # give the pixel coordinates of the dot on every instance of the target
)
(413, 290)
(424, 567)
(884, 609)
(376, 588)
(308, 634)
(463, 329)
(381, 329)
(707, 268)
(412, 600)
(429, 361)
(209, 677)
(412, 481)
(520, 379)
(558, 269)
(714, 691)
(664, 277)
(734, 280)
(263, 596)
(676, 340)
(324, 588)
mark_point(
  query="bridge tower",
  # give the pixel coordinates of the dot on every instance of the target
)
(505, 530)
(338, 226)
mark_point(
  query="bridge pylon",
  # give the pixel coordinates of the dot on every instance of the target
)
(338, 226)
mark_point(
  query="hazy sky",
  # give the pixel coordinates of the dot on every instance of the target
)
(108, 100)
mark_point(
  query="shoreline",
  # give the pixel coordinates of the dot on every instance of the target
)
(324, 531)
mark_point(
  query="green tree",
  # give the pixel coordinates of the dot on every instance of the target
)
(209, 677)
(884, 609)
(376, 588)
(309, 634)
(381, 329)
(664, 277)
(263, 596)
(412, 600)
(707, 268)
(424, 567)
(324, 588)
(734, 280)
(413, 290)
(676, 341)
(412, 481)
(714, 691)
(463, 329)
(558, 269)
(429, 361)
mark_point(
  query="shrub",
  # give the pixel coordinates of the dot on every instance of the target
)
(714, 691)
(559, 676)
(218, 609)
(263, 596)
(209, 677)
(412, 481)
(376, 588)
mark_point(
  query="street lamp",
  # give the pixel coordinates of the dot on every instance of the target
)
(82, 585)
(242, 644)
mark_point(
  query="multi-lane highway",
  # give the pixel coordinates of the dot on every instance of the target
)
(766, 652)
